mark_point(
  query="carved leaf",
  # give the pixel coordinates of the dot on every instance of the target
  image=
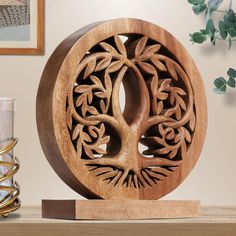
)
(100, 151)
(105, 140)
(140, 46)
(161, 129)
(100, 94)
(88, 152)
(120, 45)
(180, 91)
(177, 138)
(181, 102)
(91, 130)
(150, 50)
(84, 109)
(175, 110)
(170, 134)
(90, 96)
(160, 107)
(159, 65)
(104, 63)
(154, 86)
(80, 100)
(192, 122)
(174, 97)
(76, 132)
(108, 48)
(108, 83)
(92, 110)
(162, 96)
(172, 71)
(164, 84)
(90, 68)
(69, 118)
(187, 136)
(102, 129)
(115, 66)
(178, 112)
(85, 137)
(103, 106)
(82, 88)
(96, 81)
(148, 68)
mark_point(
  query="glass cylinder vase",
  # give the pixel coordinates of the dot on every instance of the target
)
(9, 190)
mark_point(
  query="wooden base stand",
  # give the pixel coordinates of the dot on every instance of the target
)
(119, 209)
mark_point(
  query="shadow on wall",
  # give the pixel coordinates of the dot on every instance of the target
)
(230, 98)
(221, 48)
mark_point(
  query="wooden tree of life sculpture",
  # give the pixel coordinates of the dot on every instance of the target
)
(94, 146)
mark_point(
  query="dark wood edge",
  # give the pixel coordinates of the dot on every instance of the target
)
(59, 209)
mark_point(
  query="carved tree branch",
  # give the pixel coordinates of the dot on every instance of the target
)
(116, 110)
(144, 104)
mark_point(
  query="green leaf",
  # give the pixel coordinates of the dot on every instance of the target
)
(210, 27)
(197, 9)
(231, 15)
(230, 18)
(223, 30)
(196, 2)
(232, 32)
(231, 82)
(216, 90)
(193, 2)
(198, 37)
(231, 73)
(214, 4)
(220, 84)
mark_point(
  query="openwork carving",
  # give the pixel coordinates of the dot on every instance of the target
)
(159, 112)
(101, 150)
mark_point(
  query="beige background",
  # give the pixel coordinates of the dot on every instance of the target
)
(213, 179)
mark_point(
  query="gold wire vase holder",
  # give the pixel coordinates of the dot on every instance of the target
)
(9, 164)
(10, 201)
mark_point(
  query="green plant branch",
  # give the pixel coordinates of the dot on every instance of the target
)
(224, 30)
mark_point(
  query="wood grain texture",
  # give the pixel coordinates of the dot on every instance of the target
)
(119, 209)
(39, 50)
(217, 221)
(90, 142)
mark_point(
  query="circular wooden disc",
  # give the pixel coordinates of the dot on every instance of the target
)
(90, 142)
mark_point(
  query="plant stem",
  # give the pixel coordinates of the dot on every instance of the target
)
(221, 11)
(225, 39)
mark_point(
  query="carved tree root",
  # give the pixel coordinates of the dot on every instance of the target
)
(118, 173)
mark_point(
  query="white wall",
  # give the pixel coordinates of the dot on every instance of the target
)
(213, 179)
